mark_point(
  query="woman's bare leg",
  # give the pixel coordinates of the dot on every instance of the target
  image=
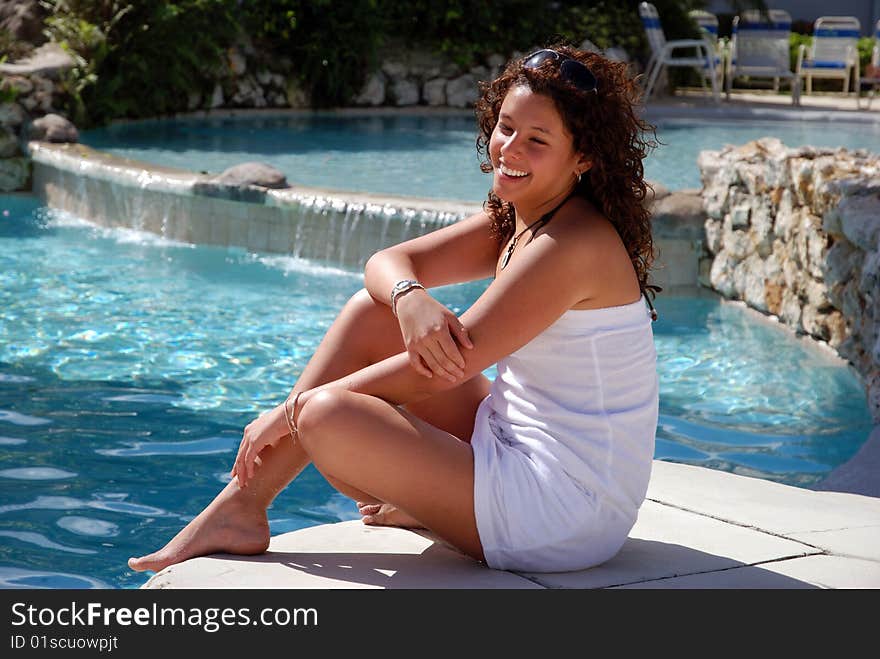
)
(396, 457)
(235, 521)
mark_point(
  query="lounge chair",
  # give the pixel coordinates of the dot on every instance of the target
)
(871, 79)
(707, 22)
(834, 53)
(759, 49)
(699, 53)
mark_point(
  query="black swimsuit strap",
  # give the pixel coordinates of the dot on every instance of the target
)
(546, 217)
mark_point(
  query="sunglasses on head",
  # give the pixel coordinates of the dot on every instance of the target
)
(570, 69)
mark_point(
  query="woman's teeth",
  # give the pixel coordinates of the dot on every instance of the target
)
(512, 172)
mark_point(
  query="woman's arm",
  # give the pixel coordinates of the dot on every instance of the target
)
(433, 335)
(464, 251)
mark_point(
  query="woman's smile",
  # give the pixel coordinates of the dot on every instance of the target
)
(510, 172)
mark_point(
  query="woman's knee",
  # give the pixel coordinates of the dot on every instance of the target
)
(362, 305)
(322, 414)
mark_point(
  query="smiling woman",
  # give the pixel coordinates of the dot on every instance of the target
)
(545, 468)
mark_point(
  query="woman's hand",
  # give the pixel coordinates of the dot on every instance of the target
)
(266, 430)
(430, 332)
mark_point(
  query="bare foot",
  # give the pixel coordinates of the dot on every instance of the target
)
(384, 514)
(228, 525)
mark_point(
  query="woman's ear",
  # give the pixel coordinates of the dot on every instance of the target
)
(584, 164)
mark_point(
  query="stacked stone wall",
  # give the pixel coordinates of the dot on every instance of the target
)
(795, 233)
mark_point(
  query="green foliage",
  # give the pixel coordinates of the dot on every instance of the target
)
(139, 59)
(467, 31)
(8, 93)
(331, 45)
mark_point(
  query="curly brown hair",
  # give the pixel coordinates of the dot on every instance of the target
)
(606, 129)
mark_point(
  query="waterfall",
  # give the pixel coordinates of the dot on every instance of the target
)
(337, 228)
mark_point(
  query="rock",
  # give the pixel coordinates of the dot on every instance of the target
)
(404, 92)
(23, 20)
(216, 97)
(12, 115)
(48, 60)
(297, 97)
(869, 280)
(8, 143)
(739, 216)
(20, 85)
(480, 73)
(617, 54)
(860, 220)
(53, 128)
(237, 61)
(840, 262)
(496, 61)
(721, 275)
(14, 174)
(394, 69)
(773, 298)
(873, 385)
(245, 182)
(837, 329)
(790, 310)
(252, 173)
(434, 92)
(713, 235)
(754, 290)
(248, 93)
(462, 92)
(590, 47)
(373, 91)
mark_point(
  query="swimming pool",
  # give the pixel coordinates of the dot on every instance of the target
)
(129, 366)
(432, 156)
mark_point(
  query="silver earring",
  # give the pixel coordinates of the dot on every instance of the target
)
(579, 176)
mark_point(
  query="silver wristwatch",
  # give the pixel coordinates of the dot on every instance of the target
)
(401, 287)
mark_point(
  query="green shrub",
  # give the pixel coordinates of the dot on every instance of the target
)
(140, 59)
(331, 45)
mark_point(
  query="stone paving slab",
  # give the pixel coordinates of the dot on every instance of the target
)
(816, 571)
(769, 506)
(342, 555)
(667, 542)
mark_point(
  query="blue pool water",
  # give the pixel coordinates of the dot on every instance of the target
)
(129, 366)
(421, 156)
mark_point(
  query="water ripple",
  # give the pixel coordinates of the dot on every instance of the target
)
(22, 419)
(128, 508)
(17, 578)
(88, 526)
(42, 541)
(46, 503)
(204, 446)
(143, 398)
(36, 473)
(15, 379)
